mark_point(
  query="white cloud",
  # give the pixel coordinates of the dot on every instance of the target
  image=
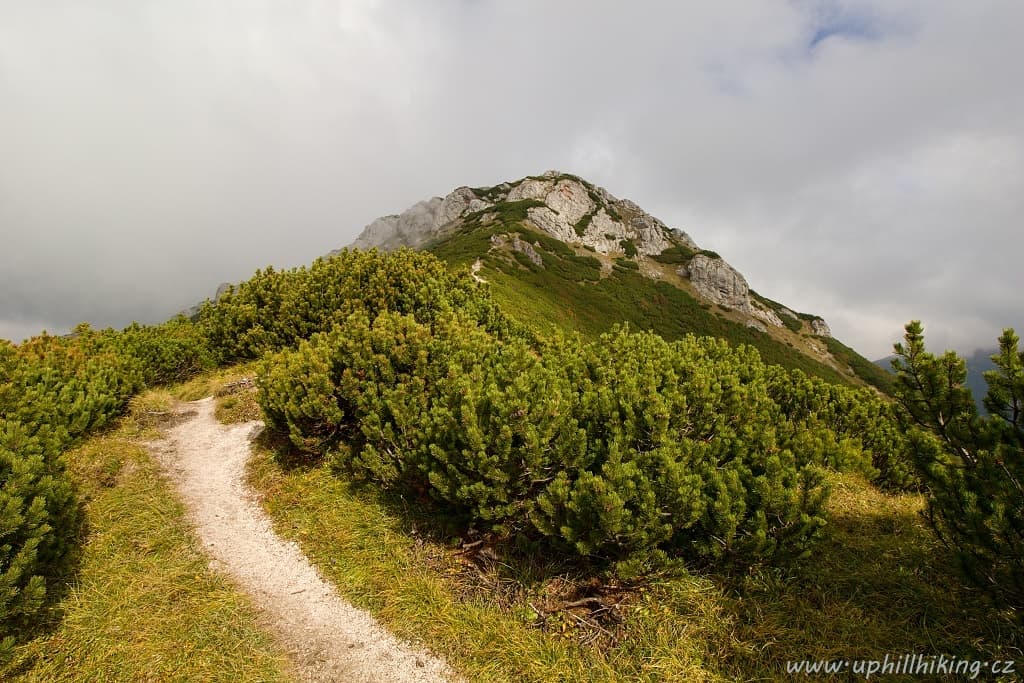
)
(862, 160)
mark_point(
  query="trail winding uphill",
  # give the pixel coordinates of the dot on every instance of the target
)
(327, 638)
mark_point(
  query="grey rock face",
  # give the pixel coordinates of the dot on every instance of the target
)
(548, 221)
(684, 238)
(570, 201)
(717, 281)
(419, 223)
(527, 250)
(517, 244)
(765, 315)
(566, 200)
(597, 234)
(459, 203)
(820, 328)
(531, 188)
(578, 213)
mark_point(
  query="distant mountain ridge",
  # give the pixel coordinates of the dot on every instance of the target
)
(559, 250)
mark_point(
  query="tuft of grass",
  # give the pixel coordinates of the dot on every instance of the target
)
(240, 407)
(145, 605)
(208, 384)
(625, 264)
(793, 324)
(678, 254)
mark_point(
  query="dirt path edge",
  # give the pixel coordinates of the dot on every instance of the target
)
(326, 638)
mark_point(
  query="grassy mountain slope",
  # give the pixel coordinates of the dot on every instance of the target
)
(579, 290)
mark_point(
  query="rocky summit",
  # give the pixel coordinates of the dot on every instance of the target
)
(567, 207)
(585, 216)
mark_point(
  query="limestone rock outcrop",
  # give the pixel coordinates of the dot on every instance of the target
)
(516, 244)
(578, 213)
(419, 223)
(571, 210)
(718, 282)
(765, 315)
(820, 328)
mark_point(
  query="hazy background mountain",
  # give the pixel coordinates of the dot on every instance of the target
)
(978, 362)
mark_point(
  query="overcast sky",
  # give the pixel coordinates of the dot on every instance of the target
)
(860, 160)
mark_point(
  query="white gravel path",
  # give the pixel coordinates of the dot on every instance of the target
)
(327, 638)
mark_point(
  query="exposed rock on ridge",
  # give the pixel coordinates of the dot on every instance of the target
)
(720, 283)
(519, 245)
(578, 213)
(820, 328)
(573, 211)
(717, 281)
(419, 223)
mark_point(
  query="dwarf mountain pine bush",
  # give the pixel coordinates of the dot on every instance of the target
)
(277, 309)
(630, 450)
(972, 465)
(39, 523)
(53, 391)
(845, 428)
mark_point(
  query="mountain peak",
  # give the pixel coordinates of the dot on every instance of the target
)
(561, 204)
(598, 227)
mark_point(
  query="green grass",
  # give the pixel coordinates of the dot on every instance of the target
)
(793, 324)
(583, 223)
(862, 367)
(677, 254)
(240, 407)
(569, 293)
(144, 606)
(879, 584)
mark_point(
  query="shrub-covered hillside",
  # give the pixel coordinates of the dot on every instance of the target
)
(53, 391)
(624, 452)
(628, 449)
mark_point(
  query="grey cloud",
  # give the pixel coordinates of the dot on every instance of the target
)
(862, 160)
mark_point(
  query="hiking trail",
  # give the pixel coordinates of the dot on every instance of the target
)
(326, 638)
